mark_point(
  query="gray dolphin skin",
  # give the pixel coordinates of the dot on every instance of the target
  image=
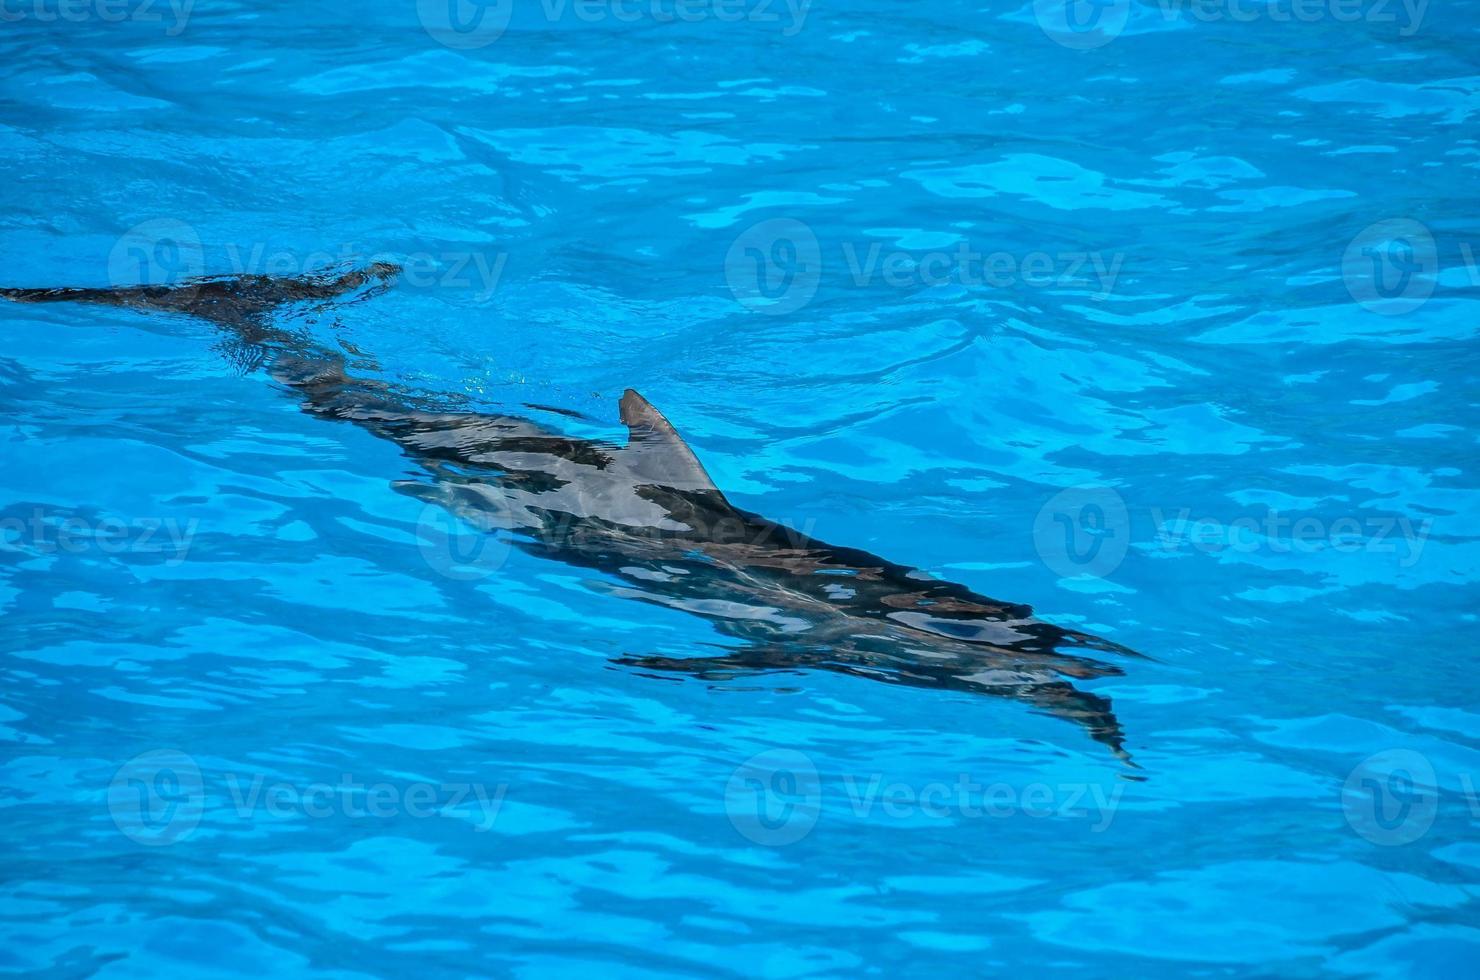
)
(648, 516)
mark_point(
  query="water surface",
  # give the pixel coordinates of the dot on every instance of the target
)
(1144, 333)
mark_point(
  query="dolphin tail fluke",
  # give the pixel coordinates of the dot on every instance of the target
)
(1072, 639)
(1091, 712)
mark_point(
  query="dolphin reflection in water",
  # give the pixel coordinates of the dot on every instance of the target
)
(649, 516)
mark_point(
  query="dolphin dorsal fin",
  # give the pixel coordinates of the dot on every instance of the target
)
(658, 453)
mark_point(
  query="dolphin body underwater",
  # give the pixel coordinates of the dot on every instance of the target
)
(648, 515)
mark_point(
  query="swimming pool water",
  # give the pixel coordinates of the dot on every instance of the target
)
(1158, 317)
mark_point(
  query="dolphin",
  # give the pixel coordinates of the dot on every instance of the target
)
(648, 516)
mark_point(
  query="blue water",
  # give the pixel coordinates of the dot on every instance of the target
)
(260, 713)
